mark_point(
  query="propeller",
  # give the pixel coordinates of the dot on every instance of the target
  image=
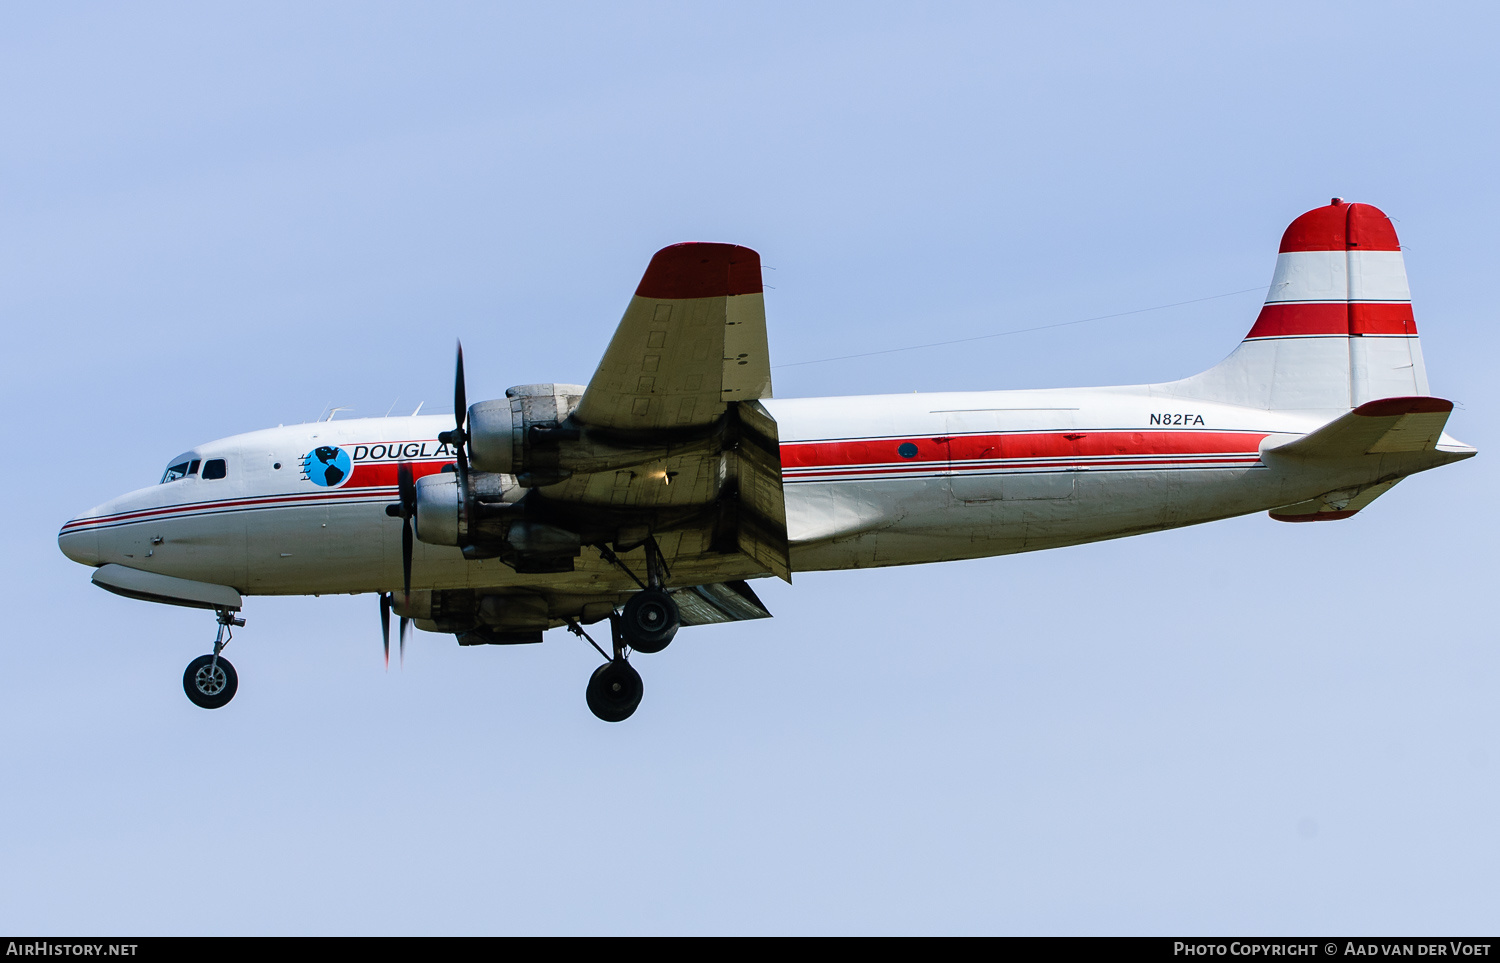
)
(385, 625)
(387, 601)
(405, 509)
(458, 438)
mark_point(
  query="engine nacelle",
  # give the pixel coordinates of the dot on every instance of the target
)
(532, 436)
(476, 619)
(443, 519)
(439, 517)
(504, 435)
(458, 610)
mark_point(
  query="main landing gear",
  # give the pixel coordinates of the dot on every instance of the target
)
(649, 620)
(210, 681)
(614, 691)
(647, 623)
(615, 688)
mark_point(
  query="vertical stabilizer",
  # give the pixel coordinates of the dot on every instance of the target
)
(1337, 328)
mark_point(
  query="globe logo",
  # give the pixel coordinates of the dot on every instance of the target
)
(327, 466)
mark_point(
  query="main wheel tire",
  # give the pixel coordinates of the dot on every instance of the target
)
(210, 686)
(615, 689)
(649, 620)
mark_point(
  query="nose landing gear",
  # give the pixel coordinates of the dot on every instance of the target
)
(210, 681)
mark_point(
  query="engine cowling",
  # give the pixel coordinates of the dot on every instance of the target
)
(531, 435)
(503, 434)
(442, 517)
(439, 515)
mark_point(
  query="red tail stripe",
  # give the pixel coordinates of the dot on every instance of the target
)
(1340, 227)
(1333, 317)
(701, 270)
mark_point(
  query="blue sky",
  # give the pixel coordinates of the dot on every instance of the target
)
(214, 219)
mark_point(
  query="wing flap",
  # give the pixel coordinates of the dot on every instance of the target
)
(762, 517)
(718, 602)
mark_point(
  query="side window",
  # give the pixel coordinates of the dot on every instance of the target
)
(214, 468)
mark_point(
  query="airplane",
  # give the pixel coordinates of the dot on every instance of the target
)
(651, 497)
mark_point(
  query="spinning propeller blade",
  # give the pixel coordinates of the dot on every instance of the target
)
(457, 438)
(405, 509)
(408, 489)
(460, 396)
(385, 625)
(387, 602)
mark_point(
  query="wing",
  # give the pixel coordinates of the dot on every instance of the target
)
(679, 385)
(692, 341)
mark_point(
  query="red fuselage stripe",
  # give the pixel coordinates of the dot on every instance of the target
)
(958, 451)
(1008, 453)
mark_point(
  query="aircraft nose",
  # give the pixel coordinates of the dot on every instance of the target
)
(80, 541)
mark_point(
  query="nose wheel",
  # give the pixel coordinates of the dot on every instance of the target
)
(209, 680)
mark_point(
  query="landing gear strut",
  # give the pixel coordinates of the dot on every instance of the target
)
(210, 681)
(649, 620)
(646, 624)
(615, 689)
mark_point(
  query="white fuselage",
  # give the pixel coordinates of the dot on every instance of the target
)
(869, 481)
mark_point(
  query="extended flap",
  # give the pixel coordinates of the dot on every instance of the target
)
(720, 602)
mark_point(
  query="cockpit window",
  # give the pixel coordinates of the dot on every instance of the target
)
(181, 467)
(214, 468)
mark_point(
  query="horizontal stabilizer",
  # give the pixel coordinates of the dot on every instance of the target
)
(720, 602)
(1375, 428)
(1332, 506)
